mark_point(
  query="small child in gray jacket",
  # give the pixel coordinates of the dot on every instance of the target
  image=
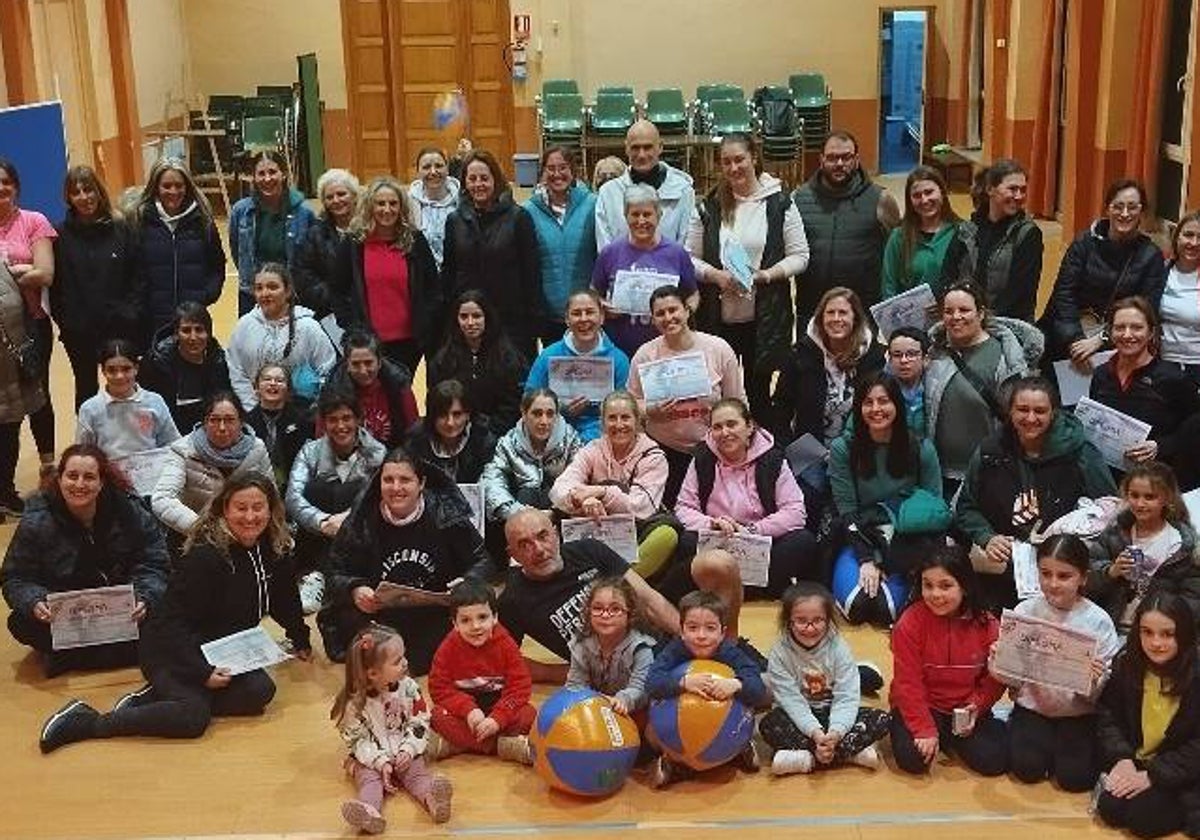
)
(609, 654)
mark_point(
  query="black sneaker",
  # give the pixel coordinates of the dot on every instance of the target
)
(870, 678)
(748, 759)
(11, 503)
(750, 650)
(133, 699)
(75, 721)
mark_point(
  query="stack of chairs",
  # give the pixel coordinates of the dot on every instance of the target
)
(812, 102)
(614, 111)
(706, 95)
(782, 130)
(561, 118)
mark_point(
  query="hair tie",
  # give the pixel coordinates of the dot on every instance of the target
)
(367, 642)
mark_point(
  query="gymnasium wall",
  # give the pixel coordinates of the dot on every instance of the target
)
(266, 36)
(161, 59)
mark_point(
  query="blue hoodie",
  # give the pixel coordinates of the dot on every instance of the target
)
(587, 422)
(568, 250)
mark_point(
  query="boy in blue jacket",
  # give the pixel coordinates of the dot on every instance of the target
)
(702, 619)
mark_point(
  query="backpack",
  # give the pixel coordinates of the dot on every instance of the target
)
(766, 473)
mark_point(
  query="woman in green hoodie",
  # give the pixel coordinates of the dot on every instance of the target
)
(915, 251)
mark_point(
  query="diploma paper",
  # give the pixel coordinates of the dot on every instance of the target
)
(392, 595)
(751, 551)
(1110, 431)
(143, 468)
(679, 377)
(1036, 651)
(737, 262)
(589, 377)
(245, 651)
(86, 617)
(473, 493)
(1073, 385)
(631, 289)
(907, 309)
(1025, 570)
(618, 532)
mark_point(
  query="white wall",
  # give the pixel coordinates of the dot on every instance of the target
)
(161, 58)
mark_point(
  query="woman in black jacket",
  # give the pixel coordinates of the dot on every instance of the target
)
(450, 437)
(1152, 785)
(316, 263)
(186, 365)
(412, 528)
(383, 389)
(236, 569)
(95, 296)
(491, 245)
(180, 257)
(85, 531)
(386, 280)
(1112, 259)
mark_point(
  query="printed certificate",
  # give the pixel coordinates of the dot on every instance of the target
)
(143, 468)
(751, 551)
(1036, 651)
(618, 532)
(589, 377)
(1110, 431)
(907, 309)
(247, 650)
(631, 290)
(86, 617)
(681, 377)
(392, 595)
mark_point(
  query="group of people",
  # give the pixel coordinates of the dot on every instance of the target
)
(900, 478)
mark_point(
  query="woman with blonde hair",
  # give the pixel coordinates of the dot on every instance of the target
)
(387, 279)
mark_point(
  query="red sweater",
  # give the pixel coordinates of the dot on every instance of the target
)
(462, 672)
(940, 663)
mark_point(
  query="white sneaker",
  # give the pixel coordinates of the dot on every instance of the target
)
(312, 592)
(866, 757)
(787, 762)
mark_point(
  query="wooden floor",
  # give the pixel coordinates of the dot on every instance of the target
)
(280, 777)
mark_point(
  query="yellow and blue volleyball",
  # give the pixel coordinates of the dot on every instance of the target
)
(698, 732)
(581, 745)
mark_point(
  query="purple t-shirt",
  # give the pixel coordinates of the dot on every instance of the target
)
(629, 332)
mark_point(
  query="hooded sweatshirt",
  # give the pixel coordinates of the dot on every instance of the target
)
(257, 341)
(635, 482)
(434, 212)
(735, 495)
(587, 422)
(823, 679)
(516, 466)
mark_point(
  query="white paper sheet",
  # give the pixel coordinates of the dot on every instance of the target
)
(751, 551)
(475, 497)
(86, 617)
(244, 651)
(1074, 385)
(143, 468)
(1110, 431)
(618, 532)
(1036, 651)
(590, 377)
(679, 377)
(630, 291)
(908, 309)
(1025, 570)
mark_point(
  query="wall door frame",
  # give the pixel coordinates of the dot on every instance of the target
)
(926, 56)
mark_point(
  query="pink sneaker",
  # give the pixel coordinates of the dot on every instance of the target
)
(364, 817)
(438, 800)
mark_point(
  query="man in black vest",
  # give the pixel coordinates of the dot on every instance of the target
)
(847, 219)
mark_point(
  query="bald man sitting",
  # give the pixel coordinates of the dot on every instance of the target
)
(643, 147)
(544, 598)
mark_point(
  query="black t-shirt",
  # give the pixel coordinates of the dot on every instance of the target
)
(552, 610)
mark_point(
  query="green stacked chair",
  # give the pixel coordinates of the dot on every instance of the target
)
(615, 89)
(728, 116)
(667, 110)
(707, 94)
(562, 118)
(613, 112)
(813, 105)
(550, 86)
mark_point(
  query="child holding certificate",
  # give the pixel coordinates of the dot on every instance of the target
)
(1052, 730)
(1149, 726)
(942, 693)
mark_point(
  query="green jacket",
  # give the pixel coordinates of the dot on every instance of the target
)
(924, 265)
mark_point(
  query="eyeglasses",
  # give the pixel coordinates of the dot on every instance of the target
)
(278, 380)
(900, 355)
(1125, 209)
(610, 611)
(801, 623)
(845, 157)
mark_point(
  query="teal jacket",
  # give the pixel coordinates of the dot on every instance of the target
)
(924, 265)
(568, 250)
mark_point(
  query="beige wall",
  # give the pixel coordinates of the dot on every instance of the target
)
(160, 58)
(3, 86)
(101, 64)
(239, 44)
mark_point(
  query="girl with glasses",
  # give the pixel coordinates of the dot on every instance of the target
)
(610, 654)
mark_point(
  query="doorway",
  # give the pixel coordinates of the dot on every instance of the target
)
(903, 34)
(1171, 192)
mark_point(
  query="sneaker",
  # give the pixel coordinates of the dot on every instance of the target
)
(133, 699)
(438, 800)
(750, 650)
(515, 748)
(437, 747)
(364, 817)
(787, 762)
(748, 758)
(870, 678)
(312, 592)
(75, 721)
(866, 757)
(11, 503)
(661, 772)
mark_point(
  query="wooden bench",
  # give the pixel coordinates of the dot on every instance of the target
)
(949, 163)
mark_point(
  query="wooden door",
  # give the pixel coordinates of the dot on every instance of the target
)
(401, 55)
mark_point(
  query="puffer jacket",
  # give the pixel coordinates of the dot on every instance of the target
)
(187, 263)
(243, 234)
(52, 551)
(315, 266)
(95, 295)
(188, 483)
(183, 385)
(256, 341)
(516, 468)
(1069, 468)
(317, 465)
(1021, 346)
(567, 249)
(1179, 574)
(19, 395)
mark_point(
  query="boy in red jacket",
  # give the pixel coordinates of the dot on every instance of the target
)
(479, 683)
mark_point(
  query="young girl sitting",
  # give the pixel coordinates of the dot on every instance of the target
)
(610, 654)
(1149, 725)
(1150, 547)
(942, 693)
(384, 720)
(817, 720)
(1052, 731)
(124, 418)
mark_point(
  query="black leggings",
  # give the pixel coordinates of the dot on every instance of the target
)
(1061, 748)
(1154, 812)
(41, 422)
(985, 750)
(781, 733)
(36, 634)
(84, 366)
(10, 452)
(178, 709)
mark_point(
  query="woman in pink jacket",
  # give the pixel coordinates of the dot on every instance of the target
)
(739, 483)
(622, 471)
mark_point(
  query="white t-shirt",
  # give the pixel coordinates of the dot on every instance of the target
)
(1180, 313)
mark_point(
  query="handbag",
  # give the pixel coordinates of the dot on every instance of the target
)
(28, 353)
(920, 512)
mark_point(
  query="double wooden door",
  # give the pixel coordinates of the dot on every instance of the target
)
(402, 55)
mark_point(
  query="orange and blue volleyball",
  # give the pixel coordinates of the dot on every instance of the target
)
(581, 745)
(698, 732)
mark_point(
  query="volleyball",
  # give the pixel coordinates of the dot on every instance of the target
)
(698, 732)
(450, 112)
(581, 745)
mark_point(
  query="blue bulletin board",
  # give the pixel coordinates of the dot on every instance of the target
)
(33, 138)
